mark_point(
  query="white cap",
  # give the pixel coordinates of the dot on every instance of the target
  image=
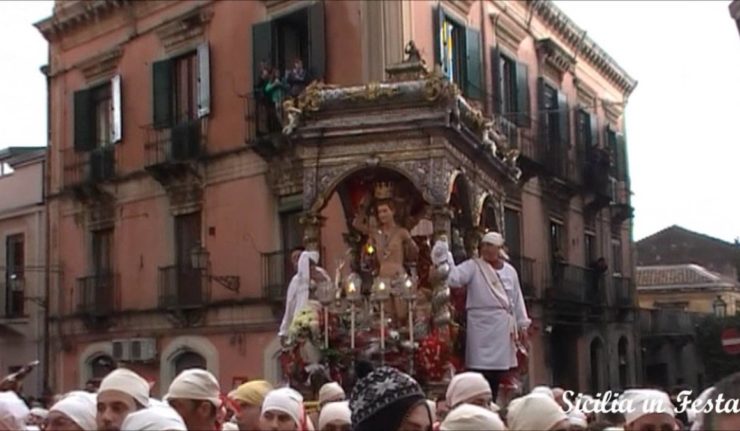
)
(534, 412)
(468, 417)
(577, 418)
(543, 390)
(80, 407)
(466, 386)
(159, 418)
(338, 411)
(493, 238)
(646, 401)
(331, 391)
(128, 382)
(195, 384)
(38, 411)
(285, 400)
(13, 411)
(432, 409)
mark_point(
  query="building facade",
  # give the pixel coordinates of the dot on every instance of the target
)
(162, 144)
(22, 263)
(735, 12)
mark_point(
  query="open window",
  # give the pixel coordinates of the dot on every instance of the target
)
(279, 42)
(14, 276)
(510, 88)
(457, 49)
(181, 88)
(618, 154)
(97, 116)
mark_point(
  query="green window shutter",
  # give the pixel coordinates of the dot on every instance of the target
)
(473, 78)
(542, 116)
(261, 49)
(162, 73)
(83, 122)
(522, 95)
(594, 130)
(621, 158)
(316, 41)
(438, 17)
(563, 121)
(497, 81)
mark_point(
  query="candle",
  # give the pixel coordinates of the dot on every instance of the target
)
(351, 288)
(381, 285)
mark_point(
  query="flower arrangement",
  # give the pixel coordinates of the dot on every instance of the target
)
(306, 325)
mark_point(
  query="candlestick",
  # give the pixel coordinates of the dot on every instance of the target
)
(382, 333)
(352, 326)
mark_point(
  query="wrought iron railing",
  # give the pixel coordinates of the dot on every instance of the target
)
(576, 284)
(98, 294)
(88, 167)
(623, 292)
(596, 171)
(275, 269)
(182, 287)
(180, 143)
(667, 321)
(525, 268)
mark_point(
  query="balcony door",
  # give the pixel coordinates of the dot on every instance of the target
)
(14, 277)
(189, 281)
(99, 294)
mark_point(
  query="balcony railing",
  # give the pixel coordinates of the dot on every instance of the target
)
(88, 167)
(596, 171)
(666, 321)
(98, 294)
(576, 284)
(182, 287)
(525, 268)
(623, 292)
(181, 143)
(276, 267)
(264, 124)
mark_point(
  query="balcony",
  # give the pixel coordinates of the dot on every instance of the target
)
(525, 267)
(596, 172)
(668, 322)
(264, 126)
(15, 299)
(623, 292)
(86, 169)
(621, 208)
(98, 295)
(172, 151)
(182, 288)
(575, 284)
(531, 158)
(275, 269)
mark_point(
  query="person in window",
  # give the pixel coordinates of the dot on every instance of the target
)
(296, 78)
(274, 92)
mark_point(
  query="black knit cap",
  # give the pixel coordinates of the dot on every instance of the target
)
(382, 399)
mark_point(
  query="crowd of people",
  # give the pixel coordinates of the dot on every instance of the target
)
(382, 399)
(274, 86)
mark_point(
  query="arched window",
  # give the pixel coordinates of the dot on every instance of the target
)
(623, 362)
(101, 365)
(597, 360)
(187, 360)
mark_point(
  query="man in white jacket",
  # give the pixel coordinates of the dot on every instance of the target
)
(497, 320)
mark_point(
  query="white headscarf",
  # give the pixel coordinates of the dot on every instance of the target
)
(13, 411)
(158, 418)
(644, 402)
(304, 264)
(468, 417)
(40, 412)
(577, 418)
(466, 386)
(285, 400)
(338, 411)
(534, 412)
(80, 407)
(128, 382)
(195, 384)
(331, 391)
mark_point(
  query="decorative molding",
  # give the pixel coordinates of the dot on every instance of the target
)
(184, 29)
(583, 45)
(460, 6)
(507, 32)
(586, 95)
(613, 111)
(555, 55)
(185, 197)
(102, 65)
(75, 15)
(101, 216)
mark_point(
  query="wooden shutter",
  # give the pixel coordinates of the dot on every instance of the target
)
(83, 122)
(621, 157)
(116, 128)
(162, 92)
(204, 80)
(542, 117)
(473, 81)
(438, 17)
(522, 95)
(261, 49)
(497, 80)
(594, 130)
(316, 41)
(564, 121)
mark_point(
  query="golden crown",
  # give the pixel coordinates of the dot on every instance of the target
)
(383, 190)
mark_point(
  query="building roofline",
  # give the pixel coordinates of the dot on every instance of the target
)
(15, 156)
(585, 47)
(681, 228)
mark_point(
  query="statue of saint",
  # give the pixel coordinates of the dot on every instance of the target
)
(391, 244)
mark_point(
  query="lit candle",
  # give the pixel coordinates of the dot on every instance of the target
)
(351, 288)
(381, 285)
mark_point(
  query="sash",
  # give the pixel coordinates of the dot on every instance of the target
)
(496, 287)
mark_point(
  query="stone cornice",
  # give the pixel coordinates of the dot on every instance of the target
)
(507, 31)
(74, 15)
(101, 65)
(582, 45)
(184, 28)
(553, 54)
(586, 95)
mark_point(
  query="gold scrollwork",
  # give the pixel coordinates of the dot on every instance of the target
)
(371, 92)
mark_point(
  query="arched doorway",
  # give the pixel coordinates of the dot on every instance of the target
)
(100, 366)
(622, 349)
(188, 360)
(597, 361)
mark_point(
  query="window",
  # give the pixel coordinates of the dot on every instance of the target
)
(97, 116)
(617, 256)
(618, 153)
(189, 360)
(187, 290)
(510, 88)
(102, 251)
(587, 135)
(512, 229)
(14, 276)
(101, 366)
(590, 250)
(458, 52)
(181, 88)
(554, 127)
(281, 41)
(557, 241)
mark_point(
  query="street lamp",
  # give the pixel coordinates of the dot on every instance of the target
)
(201, 261)
(720, 307)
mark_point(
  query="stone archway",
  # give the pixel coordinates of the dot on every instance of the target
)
(91, 361)
(200, 346)
(597, 360)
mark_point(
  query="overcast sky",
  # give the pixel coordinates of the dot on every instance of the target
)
(682, 120)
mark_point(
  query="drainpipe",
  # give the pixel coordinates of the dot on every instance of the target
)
(47, 254)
